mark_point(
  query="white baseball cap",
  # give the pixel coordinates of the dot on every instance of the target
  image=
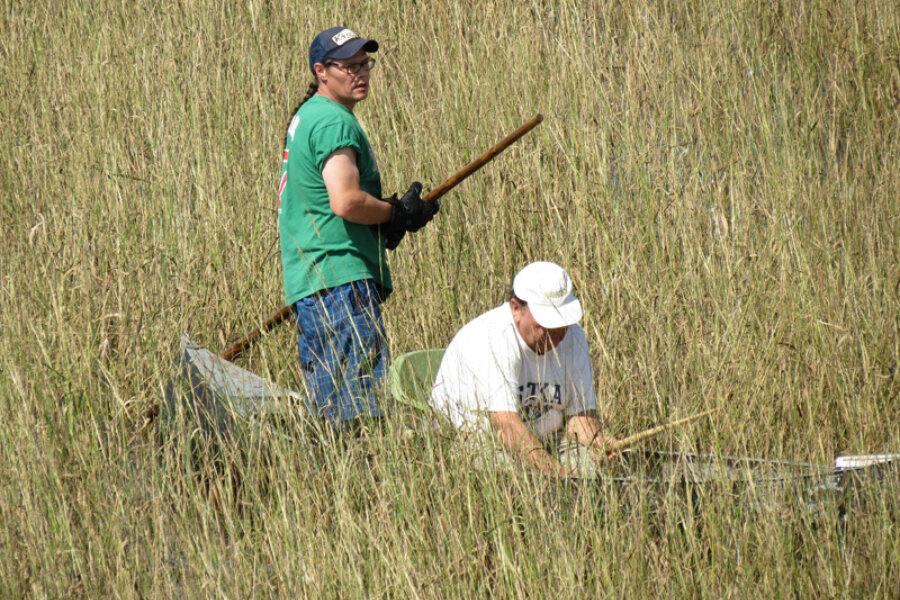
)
(547, 289)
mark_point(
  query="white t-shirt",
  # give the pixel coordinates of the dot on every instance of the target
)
(488, 367)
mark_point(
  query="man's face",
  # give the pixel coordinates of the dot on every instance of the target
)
(340, 84)
(538, 338)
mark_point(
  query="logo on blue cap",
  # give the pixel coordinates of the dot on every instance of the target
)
(343, 36)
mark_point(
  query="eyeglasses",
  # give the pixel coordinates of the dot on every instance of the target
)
(354, 68)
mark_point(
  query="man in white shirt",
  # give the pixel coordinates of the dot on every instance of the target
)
(522, 372)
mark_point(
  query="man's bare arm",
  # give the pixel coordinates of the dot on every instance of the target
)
(522, 443)
(347, 199)
(585, 429)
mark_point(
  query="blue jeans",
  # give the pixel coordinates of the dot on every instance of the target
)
(343, 352)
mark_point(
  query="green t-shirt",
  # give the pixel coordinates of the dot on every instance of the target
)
(320, 250)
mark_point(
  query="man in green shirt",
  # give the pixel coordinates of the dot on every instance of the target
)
(334, 227)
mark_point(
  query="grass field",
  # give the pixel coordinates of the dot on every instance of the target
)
(721, 180)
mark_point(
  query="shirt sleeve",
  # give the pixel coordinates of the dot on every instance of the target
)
(332, 136)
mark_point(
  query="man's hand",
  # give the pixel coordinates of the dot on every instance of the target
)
(585, 429)
(410, 212)
(392, 235)
(523, 444)
(392, 239)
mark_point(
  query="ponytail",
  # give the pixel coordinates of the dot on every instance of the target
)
(310, 92)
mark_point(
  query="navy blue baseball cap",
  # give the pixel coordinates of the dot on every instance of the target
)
(340, 43)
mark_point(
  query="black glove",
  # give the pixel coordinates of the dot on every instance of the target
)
(410, 213)
(391, 239)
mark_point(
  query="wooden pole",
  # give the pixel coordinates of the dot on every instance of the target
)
(239, 346)
(482, 160)
(631, 440)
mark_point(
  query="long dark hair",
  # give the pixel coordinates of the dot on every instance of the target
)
(310, 92)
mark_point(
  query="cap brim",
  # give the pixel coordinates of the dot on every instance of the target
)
(352, 47)
(554, 317)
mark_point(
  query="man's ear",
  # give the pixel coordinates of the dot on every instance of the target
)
(321, 72)
(517, 309)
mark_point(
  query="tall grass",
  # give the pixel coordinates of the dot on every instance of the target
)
(720, 179)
